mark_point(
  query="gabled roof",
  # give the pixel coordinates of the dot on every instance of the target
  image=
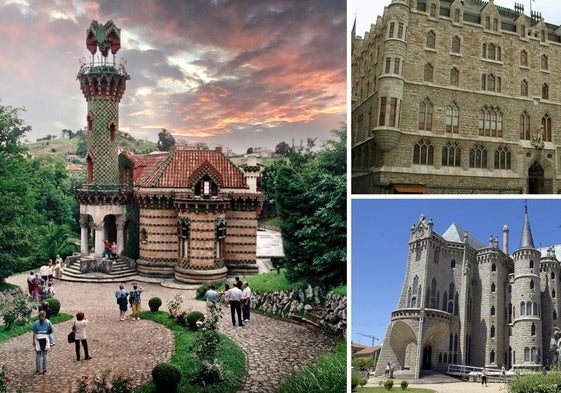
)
(183, 168)
(456, 234)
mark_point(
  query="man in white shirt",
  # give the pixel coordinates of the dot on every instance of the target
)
(246, 300)
(235, 295)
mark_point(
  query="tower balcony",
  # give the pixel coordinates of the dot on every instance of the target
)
(386, 138)
(103, 80)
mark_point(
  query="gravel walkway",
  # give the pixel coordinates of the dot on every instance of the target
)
(273, 348)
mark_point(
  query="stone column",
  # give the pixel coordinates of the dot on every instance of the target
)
(98, 238)
(84, 233)
(120, 224)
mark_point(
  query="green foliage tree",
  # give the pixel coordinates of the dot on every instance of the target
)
(310, 197)
(165, 140)
(282, 148)
(363, 363)
(249, 150)
(33, 193)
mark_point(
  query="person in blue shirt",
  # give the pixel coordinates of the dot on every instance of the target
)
(41, 330)
(211, 297)
(121, 296)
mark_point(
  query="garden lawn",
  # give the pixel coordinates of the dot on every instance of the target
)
(231, 356)
(16, 330)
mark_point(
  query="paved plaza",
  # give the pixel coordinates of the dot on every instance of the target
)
(273, 348)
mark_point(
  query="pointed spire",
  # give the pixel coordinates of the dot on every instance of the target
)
(526, 241)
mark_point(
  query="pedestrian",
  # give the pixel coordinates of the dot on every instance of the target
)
(387, 372)
(483, 376)
(106, 249)
(44, 272)
(80, 334)
(50, 266)
(246, 301)
(114, 254)
(238, 283)
(503, 371)
(226, 295)
(211, 295)
(48, 312)
(41, 330)
(134, 299)
(121, 296)
(234, 296)
(48, 291)
(38, 283)
(57, 269)
(30, 286)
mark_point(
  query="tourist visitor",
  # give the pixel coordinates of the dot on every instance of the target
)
(226, 295)
(80, 334)
(30, 285)
(234, 296)
(211, 295)
(484, 377)
(41, 330)
(106, 249)
(238, 283)
(134, 299)
(114, 254)
(48, 312)
(38, 283)
(44, 272)
(50, 270)
(246, 300)
(57, 269)
(121, 296)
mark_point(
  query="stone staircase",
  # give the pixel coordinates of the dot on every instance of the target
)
(120, 272)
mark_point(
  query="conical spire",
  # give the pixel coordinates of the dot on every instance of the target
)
(526, 241)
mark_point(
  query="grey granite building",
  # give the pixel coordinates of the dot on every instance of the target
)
(464, 302)
(458, 96)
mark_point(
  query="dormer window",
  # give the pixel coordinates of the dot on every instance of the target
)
(206, 188)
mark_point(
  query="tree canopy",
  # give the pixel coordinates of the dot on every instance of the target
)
(165, 140)
(309, 191)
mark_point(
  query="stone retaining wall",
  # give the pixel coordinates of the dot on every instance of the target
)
(311, 304)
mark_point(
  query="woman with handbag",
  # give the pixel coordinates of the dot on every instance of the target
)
(80, 335)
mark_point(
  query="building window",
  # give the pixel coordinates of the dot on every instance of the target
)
(524, 88)
(493, 267)
(400, 34)
(495, 24)
(492, 356)
(544, 63)
(487, 23)
(183, 235)
(492, 310)
(391, 30)
(531, 284)
(522, 309)
(490, 122)
(456, 44)
(453, 263)
(554, 315)
(491, 52)
(388, 65)
(432, 10)
(524, 126)
(393, 112)
(545, 91)
(457, 16)
(220, 238)
(143, 235)
(526, 354)
(452, 119)
(425, 115)
(546, 128)
(533, 330)
(431, 40)
(428, 72)
(531, 264)
(478, 157)
(423, 153)
(454, 77)
(451, 154)
(492, 331)
(383, 103)
(502, 158)
(543, 35)
(523, 31)
(396, 65)
(493, 287)
(523, 58)
(552, 275)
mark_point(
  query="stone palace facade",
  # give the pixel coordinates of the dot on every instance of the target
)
(467, 303)
(459, 96)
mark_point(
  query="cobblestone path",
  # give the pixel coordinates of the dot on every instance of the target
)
(273, 348)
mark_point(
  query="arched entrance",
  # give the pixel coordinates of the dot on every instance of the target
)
(536, 179)
(427, 356)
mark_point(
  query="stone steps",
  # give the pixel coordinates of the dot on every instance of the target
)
(120, 272)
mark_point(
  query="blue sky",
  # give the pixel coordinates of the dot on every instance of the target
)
(380, 234)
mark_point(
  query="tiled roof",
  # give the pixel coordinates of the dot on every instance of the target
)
(181, 168)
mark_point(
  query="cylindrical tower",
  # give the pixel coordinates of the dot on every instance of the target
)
(526, 340)
(390, 97)
(103, 83)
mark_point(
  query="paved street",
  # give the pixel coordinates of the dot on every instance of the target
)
(273, 348)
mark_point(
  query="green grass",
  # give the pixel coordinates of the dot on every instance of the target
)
(271, 282)
(16, 330)
(229, 354)
(327, 375)
(7, 286)
(340, 290)
(275, 222)
(396, 388)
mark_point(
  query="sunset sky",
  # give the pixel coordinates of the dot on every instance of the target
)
(241, 74)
